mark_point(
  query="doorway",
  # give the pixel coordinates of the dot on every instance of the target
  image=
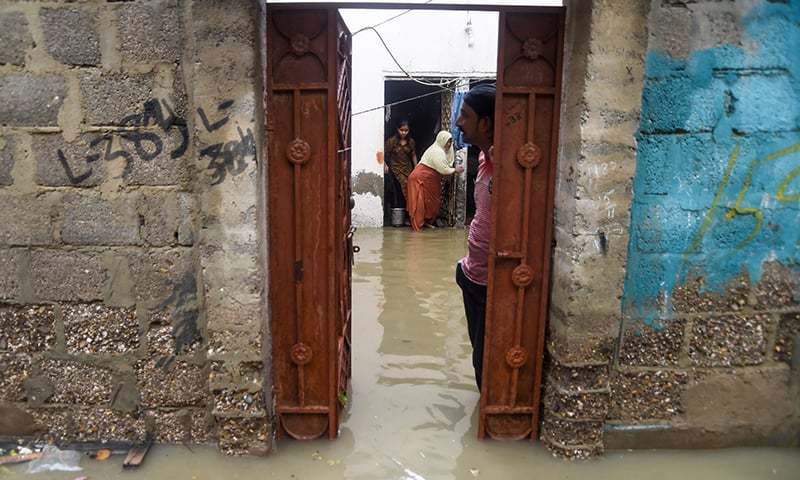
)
(307, 92)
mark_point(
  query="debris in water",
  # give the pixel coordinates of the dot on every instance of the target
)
(103, 454)
(475, 472)
(316, 455)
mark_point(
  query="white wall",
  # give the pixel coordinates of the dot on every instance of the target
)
(425, 43)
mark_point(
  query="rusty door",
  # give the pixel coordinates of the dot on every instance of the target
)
(310, 239)
(525, 139)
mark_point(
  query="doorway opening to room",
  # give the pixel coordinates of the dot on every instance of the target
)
(310, 147)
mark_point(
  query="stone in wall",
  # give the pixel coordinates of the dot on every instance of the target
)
(239, 436)
(28, 329)
(239, 402)
(163, 278)
(658, 345)
(112, 98)
(7, 154)
(96, 329)
(67, 275)
(788, 337)
(170, 426)
(75, 382)
(70, 35)
(94, 220)
(639, 396)
(15, 37)
(171, 383)
(729, 340)
(68, 164)
(97, 424)
(31, 100)
(58, 422)
(9, 274)
(166, 218)
(151, 31)
(158, 158)
(26, 220)
(15, 370)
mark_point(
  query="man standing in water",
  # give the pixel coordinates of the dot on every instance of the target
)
(476, 122)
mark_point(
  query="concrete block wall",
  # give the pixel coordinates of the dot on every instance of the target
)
(604, 56)
(712, 291)
(131, 279)
(676, 285)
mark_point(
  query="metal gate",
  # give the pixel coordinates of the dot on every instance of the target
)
(526, 138)
(310, 236)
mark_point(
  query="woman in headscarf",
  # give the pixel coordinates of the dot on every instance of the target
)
(425, 182)
(401, 156)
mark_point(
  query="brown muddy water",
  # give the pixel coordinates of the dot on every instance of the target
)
(414, 404)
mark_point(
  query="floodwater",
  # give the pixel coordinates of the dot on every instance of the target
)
(414, 404)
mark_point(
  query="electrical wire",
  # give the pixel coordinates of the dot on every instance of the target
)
(389, 19)
(418, 96)
(411, 77)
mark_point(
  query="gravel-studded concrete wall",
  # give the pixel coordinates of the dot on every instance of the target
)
(131, 287)
(712, 291)
(679, 130)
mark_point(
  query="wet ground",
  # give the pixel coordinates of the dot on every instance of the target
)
(414, 404)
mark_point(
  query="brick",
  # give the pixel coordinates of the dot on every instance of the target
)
(663, 228)
(70, 35)
(592, 378)
(9, 274)
(6, 160)
(171, 384)
(171, 426)
(31, 100)
(572, 433)
(647, 395)
(151, 31)
(15, 37)
(57, 422)
(652, 346)
(78, 383)
(97, 329)
(25, 220)
(576, 406)
(92, 220)
(84, 165)
(28, 329)
(239, 436)
(238, 403)
(168, 167)
(788, 333)
(99, 424)
(112, 98)
(203, 426)
(15, 369)
(692, 105)
(67, 275)
(729, 340)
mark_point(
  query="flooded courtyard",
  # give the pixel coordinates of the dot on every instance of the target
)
(413, 412)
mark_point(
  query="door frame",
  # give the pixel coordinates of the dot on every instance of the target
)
(549, 214)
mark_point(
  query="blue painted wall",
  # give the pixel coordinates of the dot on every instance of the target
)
(717, 185)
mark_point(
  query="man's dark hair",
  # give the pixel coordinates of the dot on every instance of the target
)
(481, 99)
